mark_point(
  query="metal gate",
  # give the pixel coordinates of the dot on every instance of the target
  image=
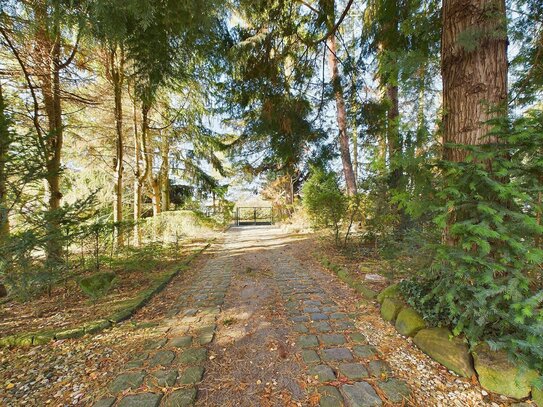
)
(254, 215)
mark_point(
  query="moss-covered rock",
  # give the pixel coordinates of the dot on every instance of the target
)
(497, 374)
(70, 333)
(365, 291)
(392, 291)
(390, 309)
(97, 326)
(16, 340)
(537, 396)
(122, 315)
(42, 338)
(451, 352)
(409, 322)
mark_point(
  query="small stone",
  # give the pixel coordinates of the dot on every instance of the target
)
(318, 317)
(108, 402)
(357, 337)
(127, 381)
(361, 394)
(133, 364)
(353, 371)
(338, 315)
(300, 318)
(141, 400)
(311, 309)
(332, 339)
(336, 354)
(181, 341)
(300, 328)
(192, 375)
(192, 356)
(395, 390)
(162, 358)
(380, 369)
(364, 351)
(310, 356)
(307, 341)
(206, 334)
(330, 397)
(323, 373)
(322, 326)
(156, 344)
(165, 378)
(190, 312)
(344, 325)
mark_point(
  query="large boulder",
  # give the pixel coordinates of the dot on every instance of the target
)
(390, 309)
(409, 322)
(451, 352)
(392, 291)
(497, 374)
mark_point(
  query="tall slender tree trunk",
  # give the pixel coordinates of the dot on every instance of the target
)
(117, 79)
(137, 177)
(53, 108)
(474, 78)
(393, 134)
(348, 172)
(165, 173)
(156, 194)
(5, 141)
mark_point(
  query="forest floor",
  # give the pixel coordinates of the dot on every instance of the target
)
(256, 321)
(67, 306)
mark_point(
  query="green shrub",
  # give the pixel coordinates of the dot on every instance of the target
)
(97, 285)
(324, 201)
(485, 278)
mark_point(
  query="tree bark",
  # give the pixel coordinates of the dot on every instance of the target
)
(474, 74)
(156, 194)
(137, 178)
(117, 79)
(51, 88)
(165, 173)
(393, 134)
(5, 141)
(348, 172)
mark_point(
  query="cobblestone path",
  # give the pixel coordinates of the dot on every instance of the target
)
(255, 328)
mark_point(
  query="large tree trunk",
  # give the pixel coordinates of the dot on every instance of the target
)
(117, 79)
(474, 75)
(348, 172)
